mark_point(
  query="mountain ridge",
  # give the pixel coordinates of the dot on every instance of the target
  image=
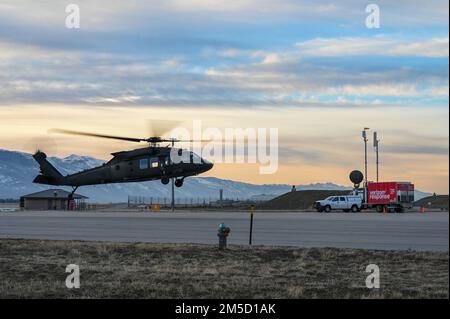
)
(18, 169)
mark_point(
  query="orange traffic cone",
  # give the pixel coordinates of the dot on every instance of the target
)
(422, 210)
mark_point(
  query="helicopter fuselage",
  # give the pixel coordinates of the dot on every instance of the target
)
(144, 164)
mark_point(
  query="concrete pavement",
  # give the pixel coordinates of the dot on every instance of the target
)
(361, 230)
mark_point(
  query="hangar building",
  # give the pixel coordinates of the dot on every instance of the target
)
(50, 199)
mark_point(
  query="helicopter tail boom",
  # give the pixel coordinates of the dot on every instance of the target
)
(49, 174)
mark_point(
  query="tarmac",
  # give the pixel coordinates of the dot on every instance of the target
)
(415, 231)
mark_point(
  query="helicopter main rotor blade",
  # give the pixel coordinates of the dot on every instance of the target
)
(175, 140)
(62, 131)
(193, 141)
(161, 127)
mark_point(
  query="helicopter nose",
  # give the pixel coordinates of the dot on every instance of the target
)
(207, 165)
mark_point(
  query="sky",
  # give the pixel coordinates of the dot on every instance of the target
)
(312, 69)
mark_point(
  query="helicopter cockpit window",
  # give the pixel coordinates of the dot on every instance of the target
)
(143, 163)
(195, 159)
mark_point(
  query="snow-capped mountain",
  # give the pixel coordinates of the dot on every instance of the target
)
(17, 171)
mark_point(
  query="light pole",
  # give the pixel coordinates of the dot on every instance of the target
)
(173, 186)
(375, 144)
(364, 136)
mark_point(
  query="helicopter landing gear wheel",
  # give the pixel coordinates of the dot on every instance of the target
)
(74, 189)
(70, 201)
(165, 180)
(179, 182)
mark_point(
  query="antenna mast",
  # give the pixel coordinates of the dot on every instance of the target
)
(376, 142)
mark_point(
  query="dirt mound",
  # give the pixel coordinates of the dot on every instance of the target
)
(436, 202)
(300, 199)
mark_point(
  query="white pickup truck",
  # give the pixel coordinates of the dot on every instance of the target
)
(346, 203)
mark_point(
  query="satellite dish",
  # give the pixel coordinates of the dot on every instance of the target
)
(356, 177)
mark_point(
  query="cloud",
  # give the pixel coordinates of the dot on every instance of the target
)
(114, 100)
(434, 48)
(375, 46)
(210, 52)
(418, 149)
(109, 14)
(266, 79)
(389, 90)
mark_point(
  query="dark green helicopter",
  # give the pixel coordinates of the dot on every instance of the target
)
(153, 162)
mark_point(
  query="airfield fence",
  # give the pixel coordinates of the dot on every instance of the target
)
(165, 202)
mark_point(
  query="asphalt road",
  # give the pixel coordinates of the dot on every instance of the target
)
(415, 231)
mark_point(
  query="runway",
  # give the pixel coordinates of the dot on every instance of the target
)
(415, 231)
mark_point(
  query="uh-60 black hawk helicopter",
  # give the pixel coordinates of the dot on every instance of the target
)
(153, 162)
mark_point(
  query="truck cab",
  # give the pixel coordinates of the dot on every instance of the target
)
(345, 203)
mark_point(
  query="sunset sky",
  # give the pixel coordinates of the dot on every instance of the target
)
(312, 69)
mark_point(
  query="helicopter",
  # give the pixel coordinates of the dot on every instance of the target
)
(153, 162)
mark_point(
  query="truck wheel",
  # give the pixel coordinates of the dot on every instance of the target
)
(379, 208)
(328, 208)
(355, 209)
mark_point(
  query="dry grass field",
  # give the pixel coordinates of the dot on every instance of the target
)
(36, 269)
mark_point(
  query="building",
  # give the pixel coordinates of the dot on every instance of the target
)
(51, 199)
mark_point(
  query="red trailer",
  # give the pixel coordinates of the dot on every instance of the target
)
(390, 196)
